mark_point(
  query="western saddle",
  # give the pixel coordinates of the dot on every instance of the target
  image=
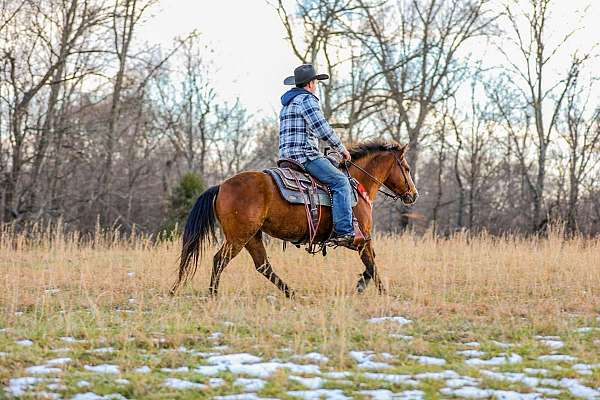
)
(298, 187)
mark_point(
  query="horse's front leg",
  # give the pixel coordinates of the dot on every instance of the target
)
(367, 255)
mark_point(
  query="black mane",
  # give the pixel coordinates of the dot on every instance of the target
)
(363, 149)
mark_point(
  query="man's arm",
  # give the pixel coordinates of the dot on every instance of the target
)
(316, 121)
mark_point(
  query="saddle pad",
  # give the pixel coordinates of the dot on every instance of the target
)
(285, 179)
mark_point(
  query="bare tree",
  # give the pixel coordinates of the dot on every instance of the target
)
(581, 132)
(538, 102)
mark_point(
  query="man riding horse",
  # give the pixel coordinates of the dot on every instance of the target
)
(302, 124)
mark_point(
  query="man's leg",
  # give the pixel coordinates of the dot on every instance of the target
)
(338, 182)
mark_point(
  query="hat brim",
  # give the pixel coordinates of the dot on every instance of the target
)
(290, 80)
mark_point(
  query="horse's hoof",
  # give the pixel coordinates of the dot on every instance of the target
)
(360, 287)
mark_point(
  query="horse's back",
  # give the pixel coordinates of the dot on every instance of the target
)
(250, 201)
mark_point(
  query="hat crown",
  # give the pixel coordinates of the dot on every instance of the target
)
(304, 73)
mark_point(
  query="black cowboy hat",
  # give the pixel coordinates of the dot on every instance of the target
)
(304, 74)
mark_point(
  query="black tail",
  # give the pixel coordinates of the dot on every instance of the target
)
(198, 233)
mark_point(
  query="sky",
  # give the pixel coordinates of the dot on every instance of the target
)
(251, 56)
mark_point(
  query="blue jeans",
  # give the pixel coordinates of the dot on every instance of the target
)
(338, 182)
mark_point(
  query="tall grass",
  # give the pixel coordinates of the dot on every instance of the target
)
(67, 283)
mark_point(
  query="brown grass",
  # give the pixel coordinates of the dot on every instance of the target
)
(482, 279)
(460, 289)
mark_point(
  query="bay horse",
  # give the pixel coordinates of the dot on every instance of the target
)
(250, 204)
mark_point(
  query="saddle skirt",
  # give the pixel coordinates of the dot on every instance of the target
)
(297, 187)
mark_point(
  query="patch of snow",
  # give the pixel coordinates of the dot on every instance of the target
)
(510, 395)
(502, 345)
(314, 357)
(243, 396)
(19, 386)
(462, 381)
(94, 396)
(3, 354)
(210, 370)
(103, 350)
(122, 381)
(579, 390)
(384, 394)
(498, 360)
(328, 394)
(585, 369)
(130, 274)
(448, 374)
(143, 370)
(374, 365)
(338, 374)
(216, 382)
(42, 370)
(59, 361)
(365, 359)
(182, 384)
(557, 358)
(24, 342)
(266, 369)
(398, 319)
(393, 378)
(471, 353)
(311, 383)
(586, 329)
(425, 360)
(467, 392)
(548, 391)
(103, 368)
(83, 384)
(511, 377)
(250, 384)
(46, 395)
(550, 382)
(179, 369)
(215, 336)
(553, 344)
(233, 359)
(71, 339)
(472, 344)
(536, 371)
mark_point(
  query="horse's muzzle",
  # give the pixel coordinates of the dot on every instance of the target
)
(409, 198)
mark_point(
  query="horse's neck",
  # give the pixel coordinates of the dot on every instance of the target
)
(378, 167)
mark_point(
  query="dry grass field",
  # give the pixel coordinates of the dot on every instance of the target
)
(482, 317)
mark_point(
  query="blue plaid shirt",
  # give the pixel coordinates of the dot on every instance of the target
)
(301, 125)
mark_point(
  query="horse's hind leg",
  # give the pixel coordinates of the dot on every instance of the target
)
(257, 250)
(225, 254)
(367, 255)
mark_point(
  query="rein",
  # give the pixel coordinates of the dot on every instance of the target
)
(387, 192)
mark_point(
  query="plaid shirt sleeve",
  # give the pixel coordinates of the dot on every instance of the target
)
(317, 123)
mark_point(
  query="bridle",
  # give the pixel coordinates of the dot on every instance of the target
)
(387, 192)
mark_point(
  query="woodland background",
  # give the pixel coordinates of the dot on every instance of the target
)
(96, 131)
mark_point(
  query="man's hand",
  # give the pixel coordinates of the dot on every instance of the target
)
(346, 155)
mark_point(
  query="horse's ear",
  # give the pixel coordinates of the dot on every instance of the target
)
(403, 149)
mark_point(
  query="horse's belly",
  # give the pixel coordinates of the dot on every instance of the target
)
(289, 222)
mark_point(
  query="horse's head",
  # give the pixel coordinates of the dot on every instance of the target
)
(399, 179)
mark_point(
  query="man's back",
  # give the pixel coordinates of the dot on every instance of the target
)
(301, 125)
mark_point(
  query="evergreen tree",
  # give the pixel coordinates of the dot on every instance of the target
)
(181, 201)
